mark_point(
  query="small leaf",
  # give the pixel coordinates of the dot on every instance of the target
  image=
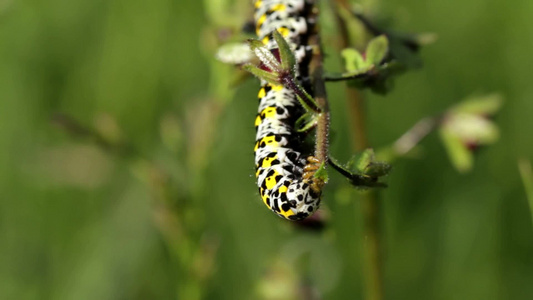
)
(310, 100)
(472, 128)
(358, 179)
(306, 121)
(234, 53)
(460, 156)
(264, 55)
(364, 160)
(288, 61)
(322, 173)
(353, 60)
(255, 44)
(378, 169)
(377, 50)
(483, 105)
(269, 77)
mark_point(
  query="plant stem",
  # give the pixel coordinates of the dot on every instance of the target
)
(322, 127)
(305, 99)
(370, 205)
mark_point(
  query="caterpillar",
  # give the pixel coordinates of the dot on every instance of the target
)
(284, 171)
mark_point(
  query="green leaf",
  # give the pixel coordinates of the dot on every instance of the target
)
(310, 100)
(269, 77)
(322, 173)
(306, 121)
(359, 179)
(234, 53)
(377, 50)
(255, 44)
(288, 61)
(378, 169)
(460, 156)
(353, 60)
(472, 128)
(264, 55)
(364, 160)
(482, 105)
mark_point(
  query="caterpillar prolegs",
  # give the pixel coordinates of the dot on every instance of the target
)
(283, 169)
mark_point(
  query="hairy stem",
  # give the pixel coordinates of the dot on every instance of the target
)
(370, 205)
(322, 127)
(305, 99)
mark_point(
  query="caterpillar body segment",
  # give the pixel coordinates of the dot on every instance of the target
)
(284, 169)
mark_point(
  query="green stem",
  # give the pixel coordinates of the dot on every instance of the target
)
(355, 179)
(305, 99)
(322, 123)
(346, 76)
(370, 205)
(322, 127)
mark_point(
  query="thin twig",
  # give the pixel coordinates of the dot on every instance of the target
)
(305, 99)
(345, 77)
(414, 135)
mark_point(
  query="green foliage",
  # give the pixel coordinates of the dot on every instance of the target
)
(376, 50)
(467, 126)
(375, 53)
(280, 72)
(363, 170)
(288, 61)
(81, 222)
(268, 76)
(354, 61)
(370, 70)
(306, 122)
(322, 173)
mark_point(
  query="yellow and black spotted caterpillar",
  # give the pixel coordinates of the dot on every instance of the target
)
(285, 174)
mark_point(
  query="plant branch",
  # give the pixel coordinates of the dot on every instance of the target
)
(364, 75)
(305, 99)
(322, 127)
(346, 76)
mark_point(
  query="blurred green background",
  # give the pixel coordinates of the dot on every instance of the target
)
(152, 195)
